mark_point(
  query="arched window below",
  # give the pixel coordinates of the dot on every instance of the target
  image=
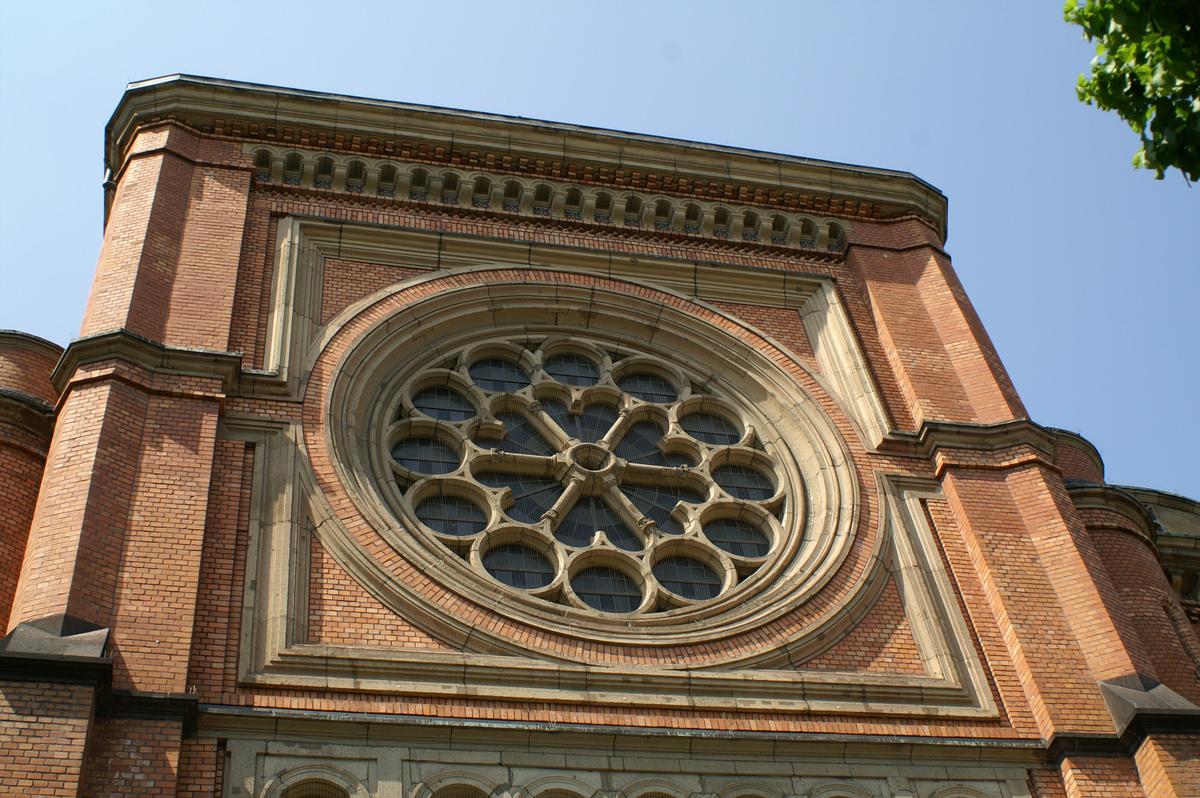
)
(356, 177)
(292, 169)
(262, 165)
(837, 237)
(481, 196)
(633, 212)
(541, 201)
(418, 187)
(750, 226)
(324, 176)
(779, 229)
(573, 209)
(387, 181)
(315, 788)
(808, 233)
(721, 223)
(604, 205)
(450, 188)
(512, 197)
(662, 215)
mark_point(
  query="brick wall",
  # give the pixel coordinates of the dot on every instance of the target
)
(43, 735)
(142, 520)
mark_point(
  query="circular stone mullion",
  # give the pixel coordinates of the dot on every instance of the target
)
(751, 513)
(501, 350)
(605, 555)
(532, 537)
(754, 459)
(634, 363)
(707, 554)
(447, 434)
(705, 404)
(440, 378)
(563, 345)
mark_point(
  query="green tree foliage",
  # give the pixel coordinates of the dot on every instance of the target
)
(1147, 69)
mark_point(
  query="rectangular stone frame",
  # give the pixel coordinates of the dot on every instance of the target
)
(286, 509)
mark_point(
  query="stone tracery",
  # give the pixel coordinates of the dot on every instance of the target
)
(597, 478)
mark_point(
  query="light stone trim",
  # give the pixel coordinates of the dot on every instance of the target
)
(294, 332)
(513, 195)
(371, 760)
(789, 485)
(287, 508)
(272, 651)
(328, 774)
(794, 423)
(201, 102)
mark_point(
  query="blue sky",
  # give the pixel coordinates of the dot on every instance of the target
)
(1085, 272)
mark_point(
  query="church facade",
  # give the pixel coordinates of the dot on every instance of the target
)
(409, 452)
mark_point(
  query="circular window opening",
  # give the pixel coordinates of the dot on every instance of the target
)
(425, 455)
(573, 369)
(648, 387)
(444, 404)
(451, 515)
(744, 482)
(607, 589)
(496, 374)
(518, 566)
(711, 428)
(687, 577)
(739, 538)
(586, 454)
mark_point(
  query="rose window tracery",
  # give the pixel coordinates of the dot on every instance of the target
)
(589, 475)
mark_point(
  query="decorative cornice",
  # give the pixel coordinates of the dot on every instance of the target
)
(586, 156)
(935, 436)
(1076, 441)
(1092, 496)
(153, 356)
(27, 412)
(738, 224)
(22, 340)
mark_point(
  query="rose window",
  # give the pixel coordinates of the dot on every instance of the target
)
(600, 478)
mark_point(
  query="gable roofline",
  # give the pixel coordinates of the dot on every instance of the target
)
(201, 101)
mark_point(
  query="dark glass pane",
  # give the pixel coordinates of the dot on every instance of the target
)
(687, 577)
(532, 496)
(572, 369)
(711, 428)
(589, 515)
(640, 445)
(744, 482)
(590, 425)
(444, 404)
(649, 387)
(498, 375)
(738, 537)
(425, 455)
(657, 502)
(607, 589)
(451, 515)
(520, 437)
(518, 566)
